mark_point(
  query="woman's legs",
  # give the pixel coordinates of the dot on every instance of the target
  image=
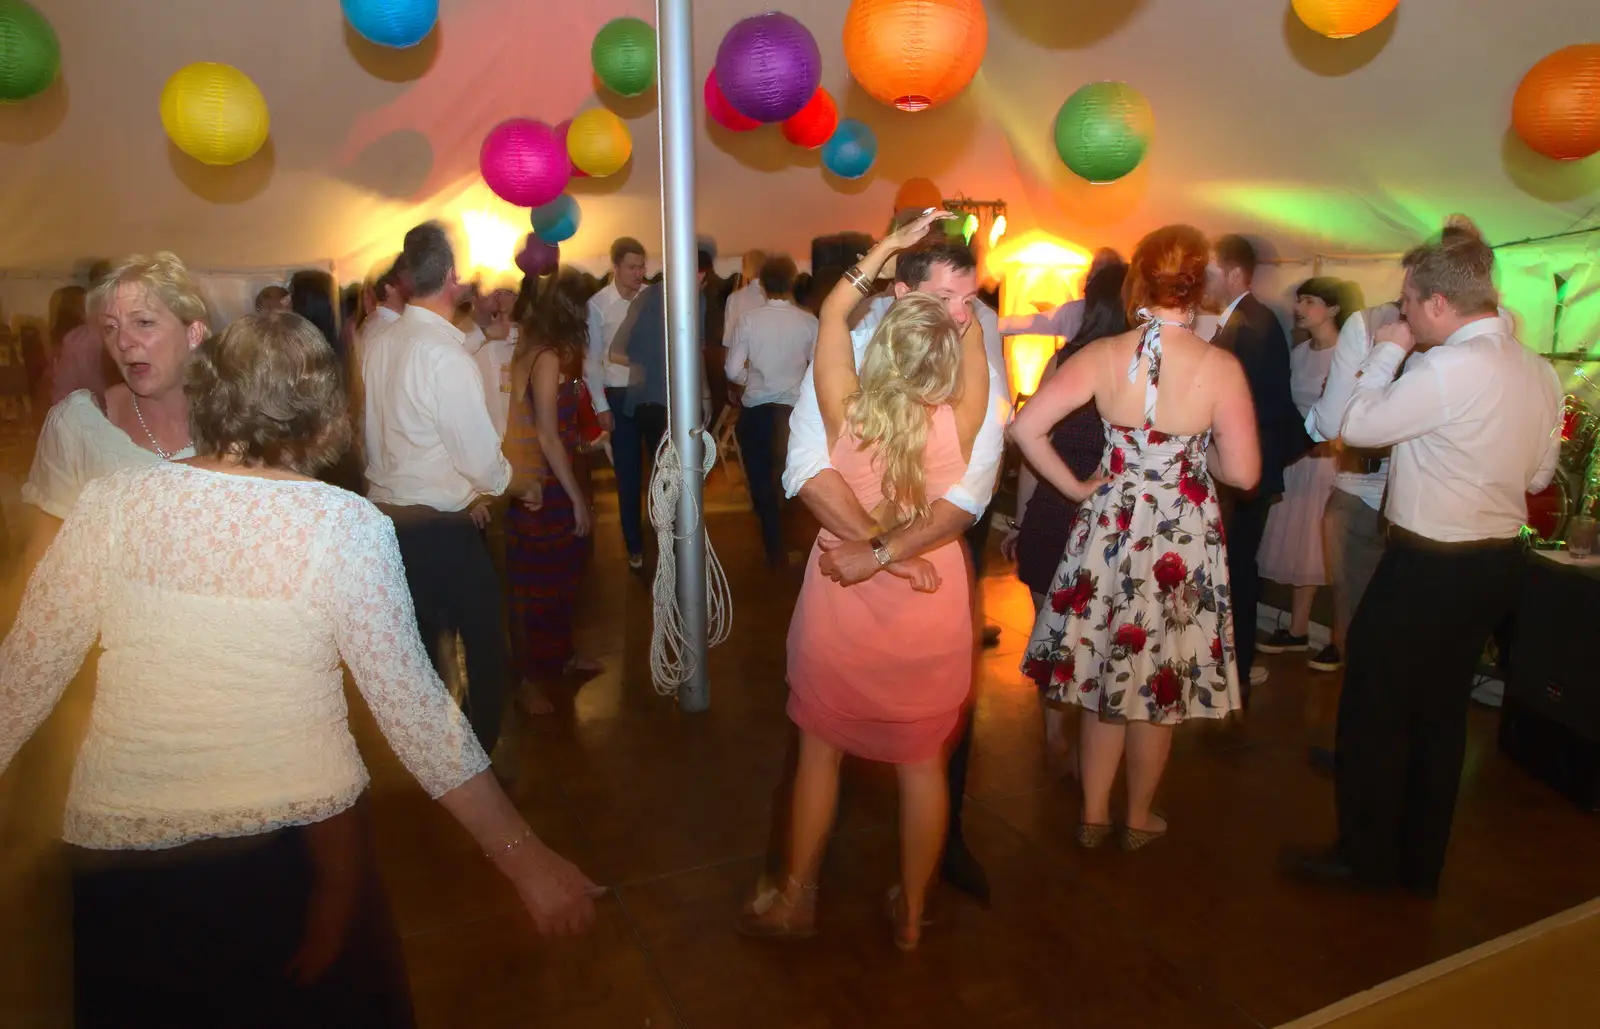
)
(1148, 746)
(816, 796)
(1300, 613)
(1058, 755)
(1100, 748)
(924, 811)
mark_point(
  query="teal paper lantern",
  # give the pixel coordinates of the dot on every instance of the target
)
(30, 54)
(557, 221)
(1103, 131)
(624, 56)
(850, 151)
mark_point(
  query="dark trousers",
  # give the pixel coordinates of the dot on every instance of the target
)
(456, 589)
(760, 431)
(1413, 649)
(627, 458)
(1243, 523)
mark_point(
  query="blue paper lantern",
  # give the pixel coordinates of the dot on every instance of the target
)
(849, 153)
(394, 23)
(557, 221)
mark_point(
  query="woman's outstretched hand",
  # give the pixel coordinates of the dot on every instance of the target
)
(558, 896)
(911, 233)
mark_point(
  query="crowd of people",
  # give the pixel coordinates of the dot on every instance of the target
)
(377, 482)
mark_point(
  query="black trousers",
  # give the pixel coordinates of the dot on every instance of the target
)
(1243, 523)
(456, 589)
(1412, 652)
(760, 430)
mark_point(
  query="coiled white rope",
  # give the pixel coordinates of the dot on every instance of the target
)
(672, 660)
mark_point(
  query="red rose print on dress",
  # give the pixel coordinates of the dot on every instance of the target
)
(1131, 636)
(1165, 686)
(1216, 649)
(1074, 598)
(1119, 461)
(1062, 676)
(1170, 570)
(1038, 669)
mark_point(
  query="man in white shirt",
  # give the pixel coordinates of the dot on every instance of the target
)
(1475, 426)
(432, 455)
(608, 388)
(1066, 320)
(769, 350)
(747, 297)
(947, 270)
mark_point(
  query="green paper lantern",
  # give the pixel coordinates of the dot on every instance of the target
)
(1103, 131)
(30, 54)
(624, 56)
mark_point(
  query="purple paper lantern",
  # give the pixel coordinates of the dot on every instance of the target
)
(525, 162)
(537, 257)
(768, 66)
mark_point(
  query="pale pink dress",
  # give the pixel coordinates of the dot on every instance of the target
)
(879, 670)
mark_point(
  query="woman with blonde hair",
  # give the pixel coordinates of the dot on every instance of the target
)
(881, 669)
(219, 772)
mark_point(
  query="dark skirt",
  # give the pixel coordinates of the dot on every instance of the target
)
(204, 935)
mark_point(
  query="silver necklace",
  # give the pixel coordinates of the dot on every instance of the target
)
(152, 436)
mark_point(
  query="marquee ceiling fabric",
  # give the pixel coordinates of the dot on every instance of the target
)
(1352, 146)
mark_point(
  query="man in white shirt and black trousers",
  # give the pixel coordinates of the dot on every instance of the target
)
(432, 456)
(948, 270)
(1475, 426)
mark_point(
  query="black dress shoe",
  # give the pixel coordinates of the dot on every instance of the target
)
(961, 870)
(1328, 868)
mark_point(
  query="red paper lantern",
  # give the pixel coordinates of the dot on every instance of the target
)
(722, 112)
(915, 54)
(918, 193)
(815, 122)
(1557, 107)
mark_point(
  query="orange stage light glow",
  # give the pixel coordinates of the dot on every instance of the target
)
(1037, 272)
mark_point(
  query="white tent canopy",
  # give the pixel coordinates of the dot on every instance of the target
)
(1312, 145)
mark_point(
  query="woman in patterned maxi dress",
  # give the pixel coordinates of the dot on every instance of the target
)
(1138, 627)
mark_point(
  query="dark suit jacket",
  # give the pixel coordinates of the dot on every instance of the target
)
(1255, 336)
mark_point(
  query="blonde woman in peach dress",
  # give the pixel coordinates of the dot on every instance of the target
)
(881, 669)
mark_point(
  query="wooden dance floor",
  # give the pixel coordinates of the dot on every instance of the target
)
(672, 812)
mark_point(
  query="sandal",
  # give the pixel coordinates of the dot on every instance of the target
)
(1137, 839)
(1091, 834)
(906, 936)
(773, 916)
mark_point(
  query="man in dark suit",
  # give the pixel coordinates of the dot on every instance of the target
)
(1251, 332)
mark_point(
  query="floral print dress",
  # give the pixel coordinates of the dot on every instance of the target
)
(1138, 623)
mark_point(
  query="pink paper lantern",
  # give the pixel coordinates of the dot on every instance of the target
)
(537, 257)
(561, 134)
(722, 112)
(525, 162)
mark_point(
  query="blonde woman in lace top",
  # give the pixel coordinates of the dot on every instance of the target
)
(225, 590)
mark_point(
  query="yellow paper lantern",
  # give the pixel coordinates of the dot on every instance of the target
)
(599, 143)
(1341, 19)
(214, 113)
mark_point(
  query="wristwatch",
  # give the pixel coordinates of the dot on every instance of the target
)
(880, 550)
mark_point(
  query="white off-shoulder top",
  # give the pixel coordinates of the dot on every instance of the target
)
(224, 604)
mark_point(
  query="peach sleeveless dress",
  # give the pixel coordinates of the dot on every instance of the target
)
(877, 669)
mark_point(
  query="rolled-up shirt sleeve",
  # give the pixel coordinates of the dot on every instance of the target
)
(1327, 414)
(1385, 411)
(808, 440)
(973, 493)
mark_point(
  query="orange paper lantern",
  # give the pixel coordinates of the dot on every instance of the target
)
(815, 122)
(1557, 107)
(918, 193)
(1340, 19)
(915, 54)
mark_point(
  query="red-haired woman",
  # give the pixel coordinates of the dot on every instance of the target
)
(1137, 627)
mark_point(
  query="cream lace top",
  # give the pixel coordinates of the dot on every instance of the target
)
(224, 604)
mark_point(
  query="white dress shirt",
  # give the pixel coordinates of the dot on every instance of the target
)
(1064, 321)
(769, 350)
(607, 309)
(494, 364)
(740, 303)
(808, 438)
(382, 317)
(1475, 424)
(1322, 424)
(429, 438)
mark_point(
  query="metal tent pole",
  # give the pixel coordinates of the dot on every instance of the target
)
(675, 75)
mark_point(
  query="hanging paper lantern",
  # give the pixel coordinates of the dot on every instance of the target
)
(1340, 19)
(1557, 107)
(537, 257)
(524, 163)
(557, 221)
(815, 123)
(768, 66)
(1103, 130)
(849, 153)
(915, 55)
(30, 54)
(624, 56)
(214, 113)
(395, 23)
(599, 143)
(561, 134)
(720, 111)
(918, 193)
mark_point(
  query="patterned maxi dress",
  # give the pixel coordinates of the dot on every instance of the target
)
(1138, 623)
